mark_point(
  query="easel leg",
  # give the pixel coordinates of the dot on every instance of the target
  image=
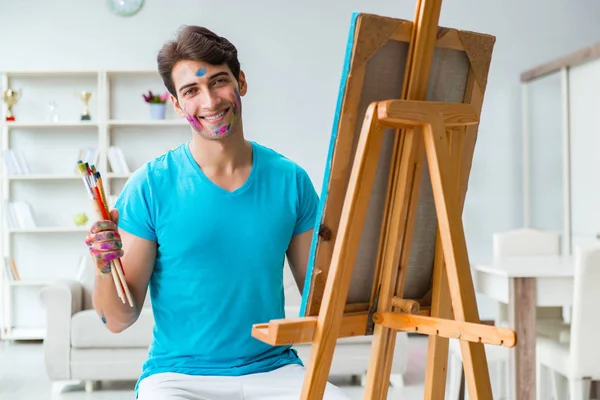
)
(396, 245)
(344, 254)
(437, 352)
(464, 304)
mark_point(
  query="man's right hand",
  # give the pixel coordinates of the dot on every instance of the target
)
(104, 241)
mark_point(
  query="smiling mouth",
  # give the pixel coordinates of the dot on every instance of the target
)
(216, 117)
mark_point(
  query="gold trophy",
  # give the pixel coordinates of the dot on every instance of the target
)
(11, 98)
(85, 96)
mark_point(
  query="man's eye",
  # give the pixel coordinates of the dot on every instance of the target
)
(189, 91)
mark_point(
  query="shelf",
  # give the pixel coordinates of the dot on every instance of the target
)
(26, 334)
(30, 282)
(41, 177)
(50, 177)
(57, 73)
(151, 72)
(50, 230)
(142, 123)
(42, 124)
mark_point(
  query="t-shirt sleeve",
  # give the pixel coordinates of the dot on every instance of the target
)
(308, 202)
(136, 206)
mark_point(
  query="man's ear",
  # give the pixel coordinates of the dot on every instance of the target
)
(176, 106)
(243, 84)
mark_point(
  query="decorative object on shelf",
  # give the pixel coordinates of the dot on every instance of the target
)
(85, 97)
(52, 113)
(158, 107)
(125, 8)
(80, 219)
(11, 97)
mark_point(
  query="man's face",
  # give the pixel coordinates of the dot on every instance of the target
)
(209, 97)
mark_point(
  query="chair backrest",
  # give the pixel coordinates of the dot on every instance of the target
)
(585, 325)
(525, 242)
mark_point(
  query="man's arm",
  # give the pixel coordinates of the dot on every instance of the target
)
(138, 264)
(297, 254)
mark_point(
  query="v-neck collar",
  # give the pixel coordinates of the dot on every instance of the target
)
(226, 192)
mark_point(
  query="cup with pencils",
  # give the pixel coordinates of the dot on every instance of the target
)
(92, 181)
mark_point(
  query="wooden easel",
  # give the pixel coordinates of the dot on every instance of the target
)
(443, 134)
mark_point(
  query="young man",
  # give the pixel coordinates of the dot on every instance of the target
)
(207, 226)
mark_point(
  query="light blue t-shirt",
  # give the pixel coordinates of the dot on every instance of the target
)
(220, 258)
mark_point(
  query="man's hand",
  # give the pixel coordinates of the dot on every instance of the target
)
(104, 241)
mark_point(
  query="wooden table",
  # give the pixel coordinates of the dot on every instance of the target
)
(524, 283)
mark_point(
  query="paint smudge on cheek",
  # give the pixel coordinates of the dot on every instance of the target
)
(237, 103)
(201, 71)
(102, 317)
(194, 122)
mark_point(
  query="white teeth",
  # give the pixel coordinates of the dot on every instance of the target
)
(215, 116)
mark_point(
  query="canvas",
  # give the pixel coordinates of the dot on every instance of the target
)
(374, 67)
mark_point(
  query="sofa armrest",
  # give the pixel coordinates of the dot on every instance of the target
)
(61, 301)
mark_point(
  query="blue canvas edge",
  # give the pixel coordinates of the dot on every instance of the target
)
(324, 189)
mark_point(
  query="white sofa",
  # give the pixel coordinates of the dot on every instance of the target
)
(79, 348)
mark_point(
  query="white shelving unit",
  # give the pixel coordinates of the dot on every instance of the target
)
(51, 249)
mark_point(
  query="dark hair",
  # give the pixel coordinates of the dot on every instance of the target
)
(196, 43)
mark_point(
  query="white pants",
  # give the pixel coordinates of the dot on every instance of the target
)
(284, 383)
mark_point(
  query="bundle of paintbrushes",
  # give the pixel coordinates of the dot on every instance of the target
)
(93, 184)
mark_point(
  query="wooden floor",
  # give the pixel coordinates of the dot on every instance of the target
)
(22, 376)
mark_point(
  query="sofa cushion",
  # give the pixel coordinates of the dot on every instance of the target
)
(87, 331)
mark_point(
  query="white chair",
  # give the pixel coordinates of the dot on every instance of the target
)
(514, 243)
(574, 356)
(526, 242)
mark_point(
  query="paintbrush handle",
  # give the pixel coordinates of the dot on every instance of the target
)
(116, 269)
(117, 266)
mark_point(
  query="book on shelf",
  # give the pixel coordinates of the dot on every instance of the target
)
(118, 165)
(15, 162)
(19, 215)
(112, 200)
(11, 269)
(87, 155)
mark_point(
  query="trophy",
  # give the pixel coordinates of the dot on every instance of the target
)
(11, 98)
(85, 96)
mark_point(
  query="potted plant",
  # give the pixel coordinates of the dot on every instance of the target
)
(157, 103)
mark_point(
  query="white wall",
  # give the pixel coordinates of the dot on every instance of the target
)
(293, 55)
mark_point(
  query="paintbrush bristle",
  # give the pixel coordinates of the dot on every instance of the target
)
(81, 167)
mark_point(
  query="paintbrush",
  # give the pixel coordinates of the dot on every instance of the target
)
(94, 187)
